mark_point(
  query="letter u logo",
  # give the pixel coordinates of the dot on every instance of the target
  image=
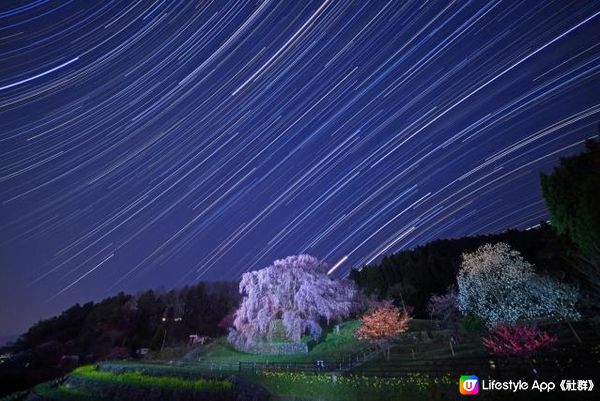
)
(468, 385)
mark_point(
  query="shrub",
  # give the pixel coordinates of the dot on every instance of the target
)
(518, 340)
(472, 323)
(444, 306)
(383, 325)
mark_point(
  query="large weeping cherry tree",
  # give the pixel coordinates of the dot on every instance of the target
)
(295, 291)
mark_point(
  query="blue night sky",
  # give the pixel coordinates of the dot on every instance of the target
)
(157, 143)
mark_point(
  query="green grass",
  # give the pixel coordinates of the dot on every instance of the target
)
(164, 382)
(220, 355)
(332, 346)
(337, 346)
(349, 388)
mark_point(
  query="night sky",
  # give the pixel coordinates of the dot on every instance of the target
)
(157, 143)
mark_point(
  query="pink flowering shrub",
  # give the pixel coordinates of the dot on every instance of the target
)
(517, 340)
(383, 325)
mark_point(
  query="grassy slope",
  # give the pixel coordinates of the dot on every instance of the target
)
(336, 346)
(321, 387)
(333, 346)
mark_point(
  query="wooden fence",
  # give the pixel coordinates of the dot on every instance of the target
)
(565, 363)
(549, 365)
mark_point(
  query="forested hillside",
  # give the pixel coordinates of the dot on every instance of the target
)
(119, 325)
(412, 276)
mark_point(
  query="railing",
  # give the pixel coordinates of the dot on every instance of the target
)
(556, 364)
(306, 367)
(342, 364)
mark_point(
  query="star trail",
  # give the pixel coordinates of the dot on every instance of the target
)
(157, 143)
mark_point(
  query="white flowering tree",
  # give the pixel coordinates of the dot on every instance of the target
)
(496, 284)
(295, 291)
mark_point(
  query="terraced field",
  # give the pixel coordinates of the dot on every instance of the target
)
(423, 366)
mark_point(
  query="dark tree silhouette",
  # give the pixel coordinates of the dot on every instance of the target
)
(572, 194)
